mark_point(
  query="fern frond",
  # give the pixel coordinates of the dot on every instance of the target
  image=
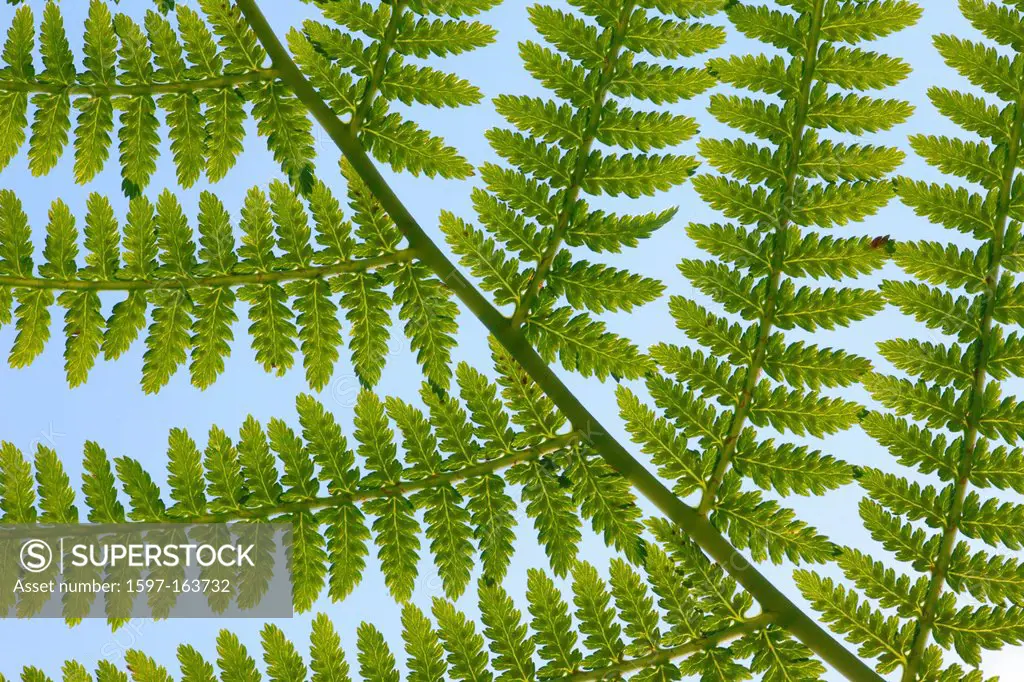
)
(598, 56)
(192, 288)
(948, 419)
(196, 72)
(338, 499)
(357, 60)
(272, 467)
(511, 644)
(777, 185)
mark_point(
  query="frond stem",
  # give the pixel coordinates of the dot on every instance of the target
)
(360, 265)
(226, 81)
(799, 624)
(765, 324)
(929, 610)
(402, 488)
(337, 499)
(579, 170)
(662, 656)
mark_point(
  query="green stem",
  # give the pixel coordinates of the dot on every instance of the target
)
(384, 49)
(774, 277)
(790, 616)
(403, 488)
(929, 610)
(572, 193)
(662, 656)
(218, 82)
(332, 501)
(361, 265)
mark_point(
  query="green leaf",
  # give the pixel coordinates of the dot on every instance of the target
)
(552, 625)
(17, 56)
(602, 634)
(52, 121)
(307, 560)
(513, 649)
(429, 315)
(234, 661)
(188, 489)
(636, 609)
(258, 465)
(137, 135)
(143, 494)
(327, 657)
(56, 496)
(426, 657)
(878, 636)
(581, 343)
(367, 313)
(98, 487)
(605, 498)
(17, 494)
(283, 121)
(376, 662)
(767, 529)
(466, 656)
(129, 316)
(223, 473)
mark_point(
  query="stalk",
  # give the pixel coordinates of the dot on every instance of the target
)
(332, 501)
(359, 265)
(666, 655)
(141, 89)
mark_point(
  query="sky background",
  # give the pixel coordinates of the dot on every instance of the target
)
(36, 406)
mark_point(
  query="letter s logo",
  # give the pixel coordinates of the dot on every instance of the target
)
(36, 556)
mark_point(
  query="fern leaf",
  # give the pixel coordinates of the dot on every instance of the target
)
(363, 76)
(951, 414)
(778, 185)
(536, 207)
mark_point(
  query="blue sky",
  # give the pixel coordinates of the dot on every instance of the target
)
(36, 406)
